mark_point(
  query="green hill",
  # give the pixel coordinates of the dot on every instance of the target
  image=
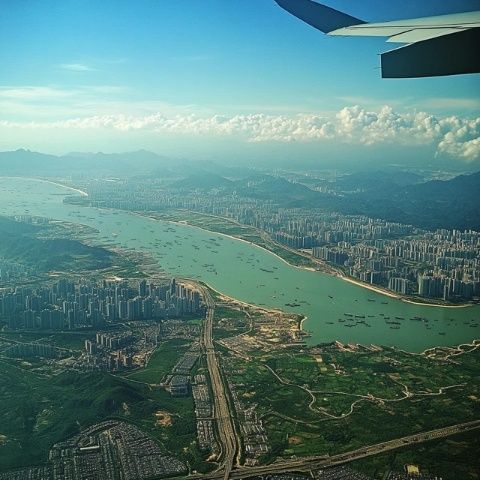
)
(25, 243)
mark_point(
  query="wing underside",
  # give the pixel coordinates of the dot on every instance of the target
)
(452, 54)
(435, 46)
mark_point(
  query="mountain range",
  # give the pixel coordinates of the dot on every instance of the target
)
(393, 195)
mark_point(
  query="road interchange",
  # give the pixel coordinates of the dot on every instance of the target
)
(309, 464)
(230, 441)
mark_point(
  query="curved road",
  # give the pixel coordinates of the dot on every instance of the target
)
(229, 439)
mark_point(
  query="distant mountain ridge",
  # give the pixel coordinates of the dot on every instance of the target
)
(451, 204)
(398, 196)
(202, 181)
(377, 180)
(26, 162)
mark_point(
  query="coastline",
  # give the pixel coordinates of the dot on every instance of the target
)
(252, 305)
(373, 288)
(81, 192)
(185, 223)
(241, 302)
(358, 283)
(413, 302)
(382, 291)
(260, 308)
(58, 184)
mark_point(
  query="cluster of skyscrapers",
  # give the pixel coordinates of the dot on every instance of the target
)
(76, 304)
(12, 271)
(408, 260)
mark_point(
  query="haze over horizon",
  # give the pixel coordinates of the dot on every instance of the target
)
(242, 79)
(230, 249)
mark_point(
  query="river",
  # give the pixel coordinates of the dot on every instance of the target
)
(336, 310)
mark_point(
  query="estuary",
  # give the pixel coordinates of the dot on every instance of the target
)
(336, 309)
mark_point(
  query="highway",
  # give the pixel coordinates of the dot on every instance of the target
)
(229, 439)
(226, 429)
(314, 463)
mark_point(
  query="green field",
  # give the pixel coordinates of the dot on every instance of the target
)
(451, 458)
(229, 322)
(310, 412)
(161, 362)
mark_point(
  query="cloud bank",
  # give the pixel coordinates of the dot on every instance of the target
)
(450, 136)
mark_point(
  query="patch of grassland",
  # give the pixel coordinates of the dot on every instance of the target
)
(161, 362)
(298, 424)
(450, 458)
(229, 322)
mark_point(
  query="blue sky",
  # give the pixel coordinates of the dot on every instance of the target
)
(134, 66)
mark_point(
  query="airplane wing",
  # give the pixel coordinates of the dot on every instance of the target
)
(436, 46)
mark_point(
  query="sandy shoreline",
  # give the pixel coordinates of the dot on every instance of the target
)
(241, 302)
(382, 291)
(358, 283)
(185, 223)
(81, 192)
(370, 287)
(406, 300)
(254, 306)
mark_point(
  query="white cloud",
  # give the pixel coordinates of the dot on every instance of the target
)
(32, 103)
(452, 136)
(28, 94)
(463, 141)
(76, 67)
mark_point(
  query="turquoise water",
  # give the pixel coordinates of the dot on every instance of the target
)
(251, 274)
